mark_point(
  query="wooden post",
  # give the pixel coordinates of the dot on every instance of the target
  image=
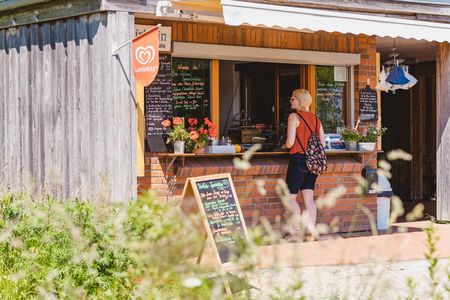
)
(308, 82)
(215, 93)
(312, 86)
(443, 130)
(378, 66)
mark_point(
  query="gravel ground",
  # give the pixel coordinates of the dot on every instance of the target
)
(365, 281)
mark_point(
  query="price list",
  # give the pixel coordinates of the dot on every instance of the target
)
(190, 84)
(222, 214)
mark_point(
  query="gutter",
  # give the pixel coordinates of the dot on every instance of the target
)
(13, 4)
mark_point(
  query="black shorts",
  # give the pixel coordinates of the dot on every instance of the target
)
(298, 176)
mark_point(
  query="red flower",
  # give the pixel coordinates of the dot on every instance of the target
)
(192, 121)
(177, 121)
(165, 123)
(203, 130)
(193, 135)
(207, 122)
(212, 132)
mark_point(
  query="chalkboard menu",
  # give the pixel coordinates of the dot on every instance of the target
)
(190, 83)
(222, 213)
(368, 105)
(158, 104)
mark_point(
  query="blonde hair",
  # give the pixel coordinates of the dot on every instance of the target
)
(304, 97)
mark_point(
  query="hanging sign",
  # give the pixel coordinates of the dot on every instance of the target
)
(146, 56)
(165, 36)
(368, 105)
(214, 198)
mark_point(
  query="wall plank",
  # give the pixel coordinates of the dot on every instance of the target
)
(3, 66)
(67, 108)
(443, 130)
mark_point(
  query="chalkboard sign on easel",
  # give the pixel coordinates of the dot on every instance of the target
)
(158, 104)
(214, 198)
(368, 105)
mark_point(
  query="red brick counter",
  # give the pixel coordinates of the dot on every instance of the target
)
(160, 171)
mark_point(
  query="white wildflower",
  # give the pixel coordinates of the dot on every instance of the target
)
(192, 282)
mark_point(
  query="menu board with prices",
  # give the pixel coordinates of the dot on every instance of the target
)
(214, 197)
(368, 105)
(191, 91)
(158, 104)
(222, 214)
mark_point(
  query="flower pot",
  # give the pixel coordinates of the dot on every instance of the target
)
(366, 146)
(198, 150)
(178, 147)
(351, 145)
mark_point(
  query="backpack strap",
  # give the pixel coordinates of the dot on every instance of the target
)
(298, 140)
(317, 121)
(307, 122)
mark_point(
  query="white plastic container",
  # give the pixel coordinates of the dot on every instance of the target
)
(383, 202)
(221, 149)
(366, 146)
(383, 212)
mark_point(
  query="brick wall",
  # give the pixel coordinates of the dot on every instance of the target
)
(367, 68)
(342, 171)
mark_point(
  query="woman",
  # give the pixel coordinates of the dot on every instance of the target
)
(298, 176)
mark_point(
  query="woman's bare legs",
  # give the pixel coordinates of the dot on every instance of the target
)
(310, 205)
(295, 210)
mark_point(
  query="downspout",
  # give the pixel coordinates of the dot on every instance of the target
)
(13, 4)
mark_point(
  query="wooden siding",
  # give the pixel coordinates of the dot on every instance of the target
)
(443, 130)
(67, 110)
(208, 33)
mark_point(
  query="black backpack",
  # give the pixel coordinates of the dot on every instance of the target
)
(316, 160)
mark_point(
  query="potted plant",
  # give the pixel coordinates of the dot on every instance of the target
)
(351, 137)
(369, 137)
(199, 134)
(178, 134)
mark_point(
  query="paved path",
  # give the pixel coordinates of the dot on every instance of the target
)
(366, 267)
(357, 250)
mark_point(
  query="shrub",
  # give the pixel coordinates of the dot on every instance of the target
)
(78, 249)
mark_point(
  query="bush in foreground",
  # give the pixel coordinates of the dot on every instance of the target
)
(82, 250)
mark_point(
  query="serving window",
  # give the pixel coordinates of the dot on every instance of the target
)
(253, 98)
(259, 111)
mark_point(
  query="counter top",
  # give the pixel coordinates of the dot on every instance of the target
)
(327, 152)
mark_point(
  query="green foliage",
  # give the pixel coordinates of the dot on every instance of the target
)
(350, 135)
(76, 249)
(412, 288)
(292, 292)
(432, 260)
(371, 134)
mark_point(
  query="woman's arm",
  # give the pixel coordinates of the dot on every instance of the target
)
(291, 130)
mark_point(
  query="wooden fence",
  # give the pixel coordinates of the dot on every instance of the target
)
(67, 109)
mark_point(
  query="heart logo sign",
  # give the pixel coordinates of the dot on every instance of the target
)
(145, 55)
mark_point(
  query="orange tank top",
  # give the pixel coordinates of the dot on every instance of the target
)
(302, 131)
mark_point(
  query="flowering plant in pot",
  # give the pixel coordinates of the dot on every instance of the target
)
(177, 134)
(351, 137)
(369, 137)
(199, 134)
